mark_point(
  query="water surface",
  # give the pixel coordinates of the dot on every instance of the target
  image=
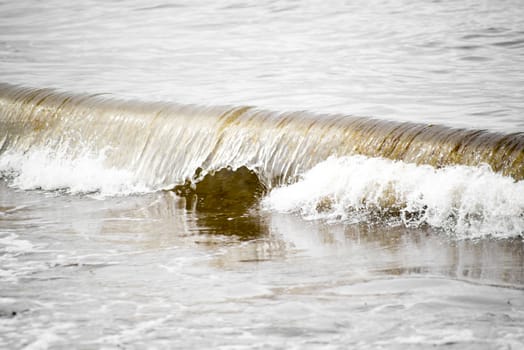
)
(146, 272)
(455, 63)
(321, 229)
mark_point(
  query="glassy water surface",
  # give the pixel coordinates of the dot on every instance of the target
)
(457, 63)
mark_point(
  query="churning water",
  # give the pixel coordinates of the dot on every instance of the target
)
(278, 174)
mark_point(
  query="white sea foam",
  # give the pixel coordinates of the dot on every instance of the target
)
(461, 200)
(51, 170)
(464, 201)
(12, 244)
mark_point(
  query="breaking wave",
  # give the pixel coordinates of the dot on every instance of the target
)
(461, 200)
(331, 167)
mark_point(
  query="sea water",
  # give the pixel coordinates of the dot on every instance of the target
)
(350, 251)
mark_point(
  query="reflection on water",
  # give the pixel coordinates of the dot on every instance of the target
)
(164, 221)
(222, 203)
(152, 270)
(252, 235)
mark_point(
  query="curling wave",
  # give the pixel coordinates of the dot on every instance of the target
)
(94, 143)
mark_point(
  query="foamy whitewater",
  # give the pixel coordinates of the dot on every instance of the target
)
(264, 175)
(51, 171)
(463, 201)
(466, 182)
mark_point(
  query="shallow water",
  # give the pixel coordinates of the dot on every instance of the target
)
(343, 251)
(144, 271)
